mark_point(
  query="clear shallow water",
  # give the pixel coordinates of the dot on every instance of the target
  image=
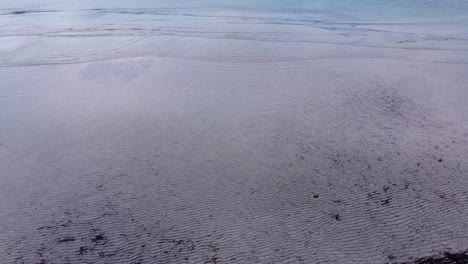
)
(338, 6)
(42, 32)
(232, 132)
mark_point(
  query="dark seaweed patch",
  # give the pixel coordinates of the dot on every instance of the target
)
(83, 250)
(99, 239)
(66, 239)
(445, 258)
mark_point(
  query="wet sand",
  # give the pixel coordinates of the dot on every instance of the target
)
(202, 136)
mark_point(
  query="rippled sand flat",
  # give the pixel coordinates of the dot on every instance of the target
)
(197, 132)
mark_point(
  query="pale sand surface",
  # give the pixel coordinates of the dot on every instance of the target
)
(203, 135)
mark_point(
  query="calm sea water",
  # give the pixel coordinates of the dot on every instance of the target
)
(44, 30)
(367, 8)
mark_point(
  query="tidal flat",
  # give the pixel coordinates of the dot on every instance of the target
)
(234, 132)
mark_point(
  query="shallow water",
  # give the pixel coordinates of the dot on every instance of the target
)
(233, 131)
(58, 32)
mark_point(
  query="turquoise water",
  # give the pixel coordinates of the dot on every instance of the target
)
(376, 9)
(42, 32)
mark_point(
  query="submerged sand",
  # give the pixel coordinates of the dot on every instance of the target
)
(233, 138)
